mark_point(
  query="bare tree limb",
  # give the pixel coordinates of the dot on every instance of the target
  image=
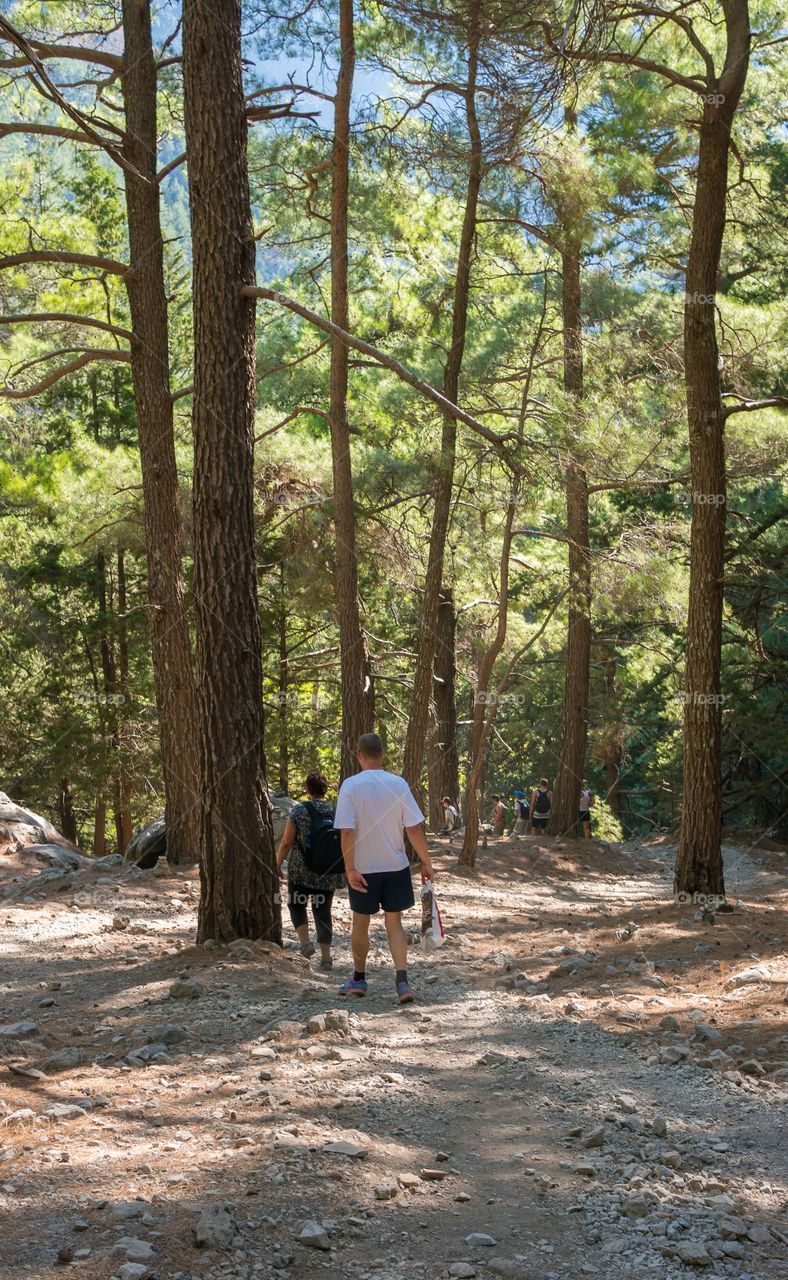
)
(63, 256)
(63, 317)
(10, 33)
(752, 406)
(44, 49)
(357, 344)
(87, 357)
(46, 130)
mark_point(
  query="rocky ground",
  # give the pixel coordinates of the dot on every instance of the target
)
(592, 1082)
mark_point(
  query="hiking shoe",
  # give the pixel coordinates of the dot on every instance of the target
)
(308, 949)
(353, 987)
(405, 994)
(327, 963)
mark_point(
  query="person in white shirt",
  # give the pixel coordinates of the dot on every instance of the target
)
(586, 800)
(374, 807)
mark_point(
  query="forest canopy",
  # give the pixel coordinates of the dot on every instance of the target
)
(511, 205)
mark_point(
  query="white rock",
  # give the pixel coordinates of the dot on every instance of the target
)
(693, 1254)
(134, 1249)
(314, 1236)
(478, 1239)
(216, 1227)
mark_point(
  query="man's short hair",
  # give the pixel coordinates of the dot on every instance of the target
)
(370, 745)
(446, 800)
(543, 782)
(496, 797)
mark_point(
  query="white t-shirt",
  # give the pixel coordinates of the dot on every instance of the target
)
(377, 805)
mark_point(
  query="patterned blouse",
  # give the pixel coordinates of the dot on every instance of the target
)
(298, 873)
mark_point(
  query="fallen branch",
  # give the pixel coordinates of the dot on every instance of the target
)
(388, 362)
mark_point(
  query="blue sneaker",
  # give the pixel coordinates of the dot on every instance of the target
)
(353, 987)
(404, 992)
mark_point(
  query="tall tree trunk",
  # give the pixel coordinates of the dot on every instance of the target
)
(123, 801)
(358, 704)
(614, 746)
(67, 817)
(699, 867)
(416, 734)
(446, 765)
(170, 645)
(237, 869)
(111, 715)
(481, 726)
(574, 721)
(283, 708)
(100, 828)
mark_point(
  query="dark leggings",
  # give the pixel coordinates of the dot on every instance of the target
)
(297, 897)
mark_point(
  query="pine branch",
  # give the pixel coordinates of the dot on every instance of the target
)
(64, 317)
(109, 265)
(357, 344)
(88, 356)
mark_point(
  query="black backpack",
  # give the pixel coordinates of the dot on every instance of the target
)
(323, 849)
(542, 802)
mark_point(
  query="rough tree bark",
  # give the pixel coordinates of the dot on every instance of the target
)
(443, 760)
(66, 816)
(237, 870)
(574, 722)
(481, 725)
(418, 715)
(614, 750)
(283, 708)
(122, 797)
(358, 706)
(699, 867)
(170, 644)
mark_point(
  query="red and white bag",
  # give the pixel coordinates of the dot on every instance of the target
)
(432, 931)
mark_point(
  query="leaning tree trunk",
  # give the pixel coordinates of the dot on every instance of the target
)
(699, 867)
(358, 707)
(237, 869)
(170, 644)
(574, 722)
(418, 715)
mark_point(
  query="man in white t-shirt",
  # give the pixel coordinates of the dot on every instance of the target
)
(373, 809)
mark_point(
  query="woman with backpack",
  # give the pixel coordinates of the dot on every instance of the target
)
(520, 827)
(541, 805)
(314, 867)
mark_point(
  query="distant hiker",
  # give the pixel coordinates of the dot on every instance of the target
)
(498, 816)
(586, 801)
(451, 817)
(373, 808)
(541, 805)
(520, 827)
(306, 843)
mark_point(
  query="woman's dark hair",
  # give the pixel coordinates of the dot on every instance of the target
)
(316, 784)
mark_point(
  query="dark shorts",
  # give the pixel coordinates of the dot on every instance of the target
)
(585, 816)
(386, 890)
(541, 821)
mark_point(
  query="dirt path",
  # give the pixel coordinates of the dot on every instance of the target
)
(567, 1098)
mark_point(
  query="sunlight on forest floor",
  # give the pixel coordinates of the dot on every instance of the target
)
(585, 1086)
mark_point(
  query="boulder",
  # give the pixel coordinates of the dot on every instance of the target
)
(149, 843)
(21, 827)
